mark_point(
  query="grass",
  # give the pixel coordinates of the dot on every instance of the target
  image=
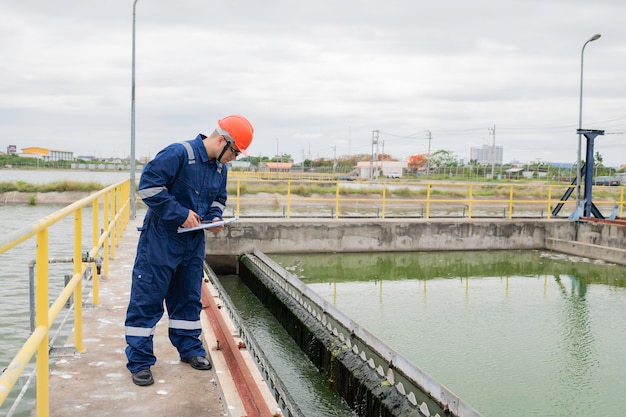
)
(57, 186)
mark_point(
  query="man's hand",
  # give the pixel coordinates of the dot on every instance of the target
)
(193, 220)
(216, 229)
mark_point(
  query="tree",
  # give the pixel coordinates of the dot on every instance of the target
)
(443, 158)
(285, 157)
(416, 162)
(599, 159)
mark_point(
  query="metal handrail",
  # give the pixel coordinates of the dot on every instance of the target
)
(430, 196)
(116, 204)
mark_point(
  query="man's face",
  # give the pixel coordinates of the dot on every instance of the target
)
(231, 150)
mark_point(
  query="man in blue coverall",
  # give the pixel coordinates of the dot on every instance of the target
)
(182, 186)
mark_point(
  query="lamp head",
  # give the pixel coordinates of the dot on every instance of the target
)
(594, 37)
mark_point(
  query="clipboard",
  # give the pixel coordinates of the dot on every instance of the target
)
(207, 225)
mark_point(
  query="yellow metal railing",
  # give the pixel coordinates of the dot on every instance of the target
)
(116, 204)
(283, 176)
(382, 198)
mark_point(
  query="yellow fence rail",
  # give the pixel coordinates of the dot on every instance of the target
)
(115, 201)
(331, 198)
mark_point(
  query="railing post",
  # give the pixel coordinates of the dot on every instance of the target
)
(41, 319)
(427, 201)
(95, 280)
(288, 198)
(384, 199)
(337, 199)
(112, 234)
(237, 212)
(78, 290)
(511, 203)
(549, 201)
(105, 244)
(469, 205)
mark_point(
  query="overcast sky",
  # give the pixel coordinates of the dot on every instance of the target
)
(316, 78)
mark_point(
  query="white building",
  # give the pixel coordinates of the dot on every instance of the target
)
(380, 168)
(485, 155)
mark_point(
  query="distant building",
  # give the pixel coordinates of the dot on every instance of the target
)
(485, 155)
(47, 154)
(380, 168)
(11, 150)
(275, 166)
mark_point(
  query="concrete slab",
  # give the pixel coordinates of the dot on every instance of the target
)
(97, 383)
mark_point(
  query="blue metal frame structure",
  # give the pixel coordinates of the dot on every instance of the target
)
(586, 206)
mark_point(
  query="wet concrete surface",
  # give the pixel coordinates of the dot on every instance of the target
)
(97, 383)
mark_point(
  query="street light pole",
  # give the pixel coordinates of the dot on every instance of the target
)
(493, 152)
(133, 198)
(580, 119)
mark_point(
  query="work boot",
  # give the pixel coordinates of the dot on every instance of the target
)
(143, 378)
(198, 362)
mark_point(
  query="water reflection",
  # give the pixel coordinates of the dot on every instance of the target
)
(432, 265)
(577, 344)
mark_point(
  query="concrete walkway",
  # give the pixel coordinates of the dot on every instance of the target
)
(97, 383)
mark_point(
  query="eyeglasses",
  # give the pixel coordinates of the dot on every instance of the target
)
(229, 143)
(234, 151)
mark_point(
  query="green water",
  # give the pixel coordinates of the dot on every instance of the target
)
(312, 394)
(512, 333)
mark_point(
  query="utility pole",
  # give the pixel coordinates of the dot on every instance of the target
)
(374, 142)
(492, 131)
(382, 157)
(334, 158)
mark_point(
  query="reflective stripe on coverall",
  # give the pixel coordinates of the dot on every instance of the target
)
(168, 265)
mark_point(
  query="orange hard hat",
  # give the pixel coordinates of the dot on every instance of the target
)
(238, 129)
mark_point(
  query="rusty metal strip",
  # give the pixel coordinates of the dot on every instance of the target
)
(248, 390)
(620, 221)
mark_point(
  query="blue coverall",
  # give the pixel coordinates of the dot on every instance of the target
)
(168, 265)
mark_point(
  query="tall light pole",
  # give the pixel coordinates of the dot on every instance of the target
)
(580, 119)
(133, 198)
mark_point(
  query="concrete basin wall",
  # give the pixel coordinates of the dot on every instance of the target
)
(378, 235)
(602, 234)
(353, 235)
(593, 240)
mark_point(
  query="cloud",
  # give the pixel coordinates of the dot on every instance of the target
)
(315, 79)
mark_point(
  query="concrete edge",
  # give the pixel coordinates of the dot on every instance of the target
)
(233, 404)
(587, 250)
